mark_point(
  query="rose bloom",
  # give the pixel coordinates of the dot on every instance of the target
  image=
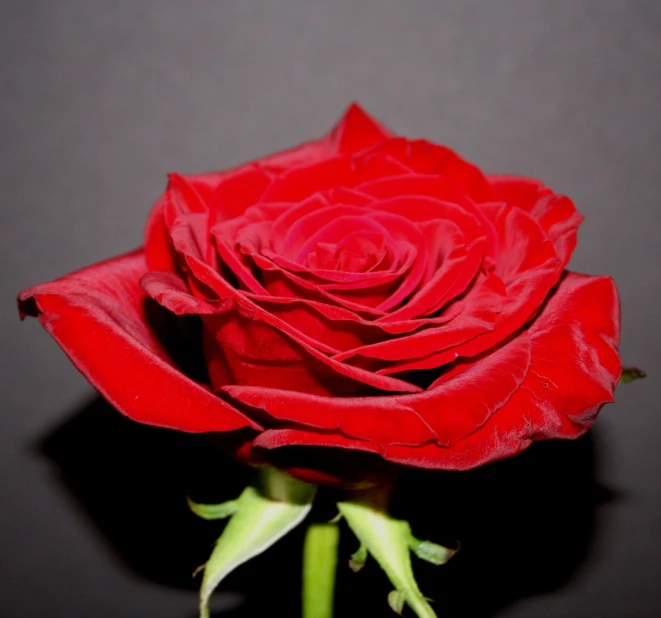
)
(358, 301)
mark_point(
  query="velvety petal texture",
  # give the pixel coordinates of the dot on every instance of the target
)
(100, 316)
(360, 292)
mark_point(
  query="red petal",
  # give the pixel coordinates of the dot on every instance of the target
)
(338, 327)
(455, 243)
(297, 341)
(159, 252)
(354, 131)
(351, 470)
(278, 438)
(259, 349)
(574, 370)
(286, 284)
(237, 191)
(357, 130)
(529, 267)
(297, 183)
(179, 197)
(555, 213)
(444, 414)
(98, 317)
(427, 158)
(443, 188)
(421, 349)
(171, 291)
(228, 193)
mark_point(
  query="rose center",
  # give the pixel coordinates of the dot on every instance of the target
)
(358, 252)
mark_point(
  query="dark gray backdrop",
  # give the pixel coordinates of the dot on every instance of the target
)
(101, 99)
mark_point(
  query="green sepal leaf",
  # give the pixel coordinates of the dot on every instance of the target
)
(396, 600)
(358, 559)
(431, 552)
(266, 511)
(214, 511)
(388, 541)
(629, 374)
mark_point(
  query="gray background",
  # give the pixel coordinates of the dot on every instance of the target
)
(100, 99)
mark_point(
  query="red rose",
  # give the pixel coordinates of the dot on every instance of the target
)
(363, 291)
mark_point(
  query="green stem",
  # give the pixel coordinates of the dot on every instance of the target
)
(319, 567)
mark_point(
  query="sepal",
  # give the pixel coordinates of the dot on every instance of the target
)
(214, 511)
(431, 552)
(265, 511)
(390, 543)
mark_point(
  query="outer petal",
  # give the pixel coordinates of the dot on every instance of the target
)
(573, 371)
(575, 368)
(228, 193)
(98, 316)
(353, 469)
(427, 158)
(555, 213)
(355, 131)
(180, 197)
(443, 414)
(345, 170)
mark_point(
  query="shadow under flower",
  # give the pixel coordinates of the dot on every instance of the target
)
(525, 525)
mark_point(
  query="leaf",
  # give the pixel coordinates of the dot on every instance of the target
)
(629, 374)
